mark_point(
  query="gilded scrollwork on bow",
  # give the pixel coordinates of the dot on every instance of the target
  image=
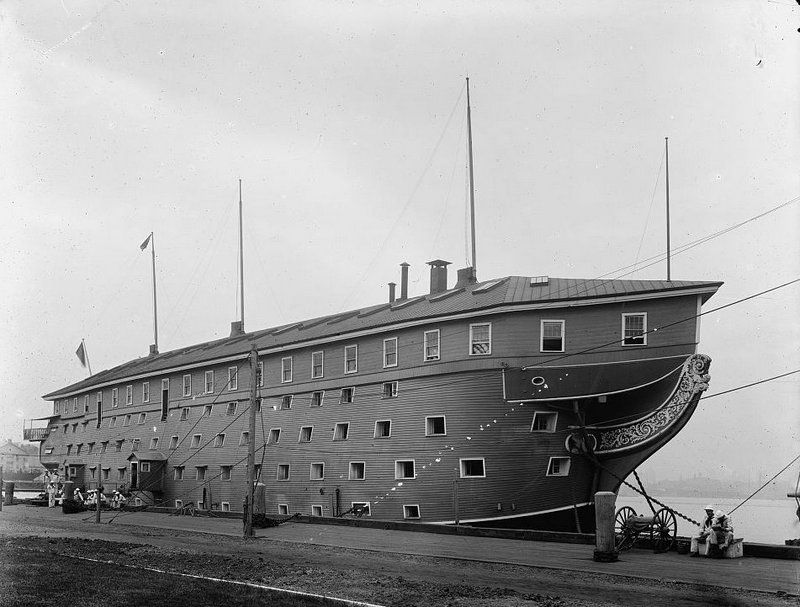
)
(693, 381)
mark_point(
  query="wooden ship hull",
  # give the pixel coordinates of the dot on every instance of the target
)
(504, 403)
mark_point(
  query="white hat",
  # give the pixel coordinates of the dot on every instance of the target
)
(710, 507)
(720, 514)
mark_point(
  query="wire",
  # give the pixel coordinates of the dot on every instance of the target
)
(782, 470)
(755, 383)
(650, 208)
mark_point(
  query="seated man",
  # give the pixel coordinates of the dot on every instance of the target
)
(721, 533)
(703, 532)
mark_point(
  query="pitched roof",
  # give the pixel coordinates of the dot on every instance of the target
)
(508, 291)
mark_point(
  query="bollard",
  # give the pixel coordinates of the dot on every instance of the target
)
(604, 503)
(8, 499)
(260, 499)
(69, 490)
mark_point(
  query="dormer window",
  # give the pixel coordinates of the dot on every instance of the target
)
(351, 359)
(634, 329)
(552, 336)
(480, 339)
(390, 352)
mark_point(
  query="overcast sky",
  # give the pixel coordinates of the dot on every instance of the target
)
(346, 123)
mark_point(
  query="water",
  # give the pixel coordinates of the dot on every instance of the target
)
(767, 521)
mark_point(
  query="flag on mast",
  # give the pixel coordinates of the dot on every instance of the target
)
(81, 354)
(143, 246)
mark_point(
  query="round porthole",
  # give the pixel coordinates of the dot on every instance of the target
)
(538, 380)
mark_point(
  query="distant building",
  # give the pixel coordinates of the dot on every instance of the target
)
(19, 458)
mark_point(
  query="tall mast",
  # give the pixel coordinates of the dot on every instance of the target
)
(471, 185)
(666, 151)
(241, 260)
(155, 299)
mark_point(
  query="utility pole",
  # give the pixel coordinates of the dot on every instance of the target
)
(251, 444)
(1, 489)
(99, 490)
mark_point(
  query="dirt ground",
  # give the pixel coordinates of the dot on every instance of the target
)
(380, 578)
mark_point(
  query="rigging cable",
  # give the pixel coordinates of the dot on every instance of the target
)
(408, 202)
(650, 208)
(765, 484)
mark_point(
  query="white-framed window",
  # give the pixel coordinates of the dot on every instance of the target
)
(634, 329)
(112, 423)
(56, 407)
(244, 438)
(114, 397)
(316, 510)
(142, 418)
(231, 409)
(226, 506)
(233, 378)
(435, 425)
(144, 467)
(145, 391)
(187, 384)
(106, 473)
(118, 445)
(317, 397)
(558, 466)
(544, 421)
(357, 471)
(196, 438)
(305, 434)
(480, 339)
(86, 403)
(274, 435)
(173, 442)
(317, 364)
(390, 389)
(341, 430)
(225, 472)
(103, 446)
(283, 509)
(286, 401)
(121, 473)
(134, 444)
(125, 422)
(208, 385)
(286, 369)
(90, 448)
(430, 346)
(283, 472)
(75, 405)
(207, 409)
(552, 336)
(410, 510)
(351, 359)
(404, 468)
(473, 467)
(390, 352)
(347, 395)
(154, 443)
(383, 428)
(361, 508)
(260, 374)
(165, 385)
(317, 472)
(128, 395)
(184, 414)
(219, 440)
(200, 473)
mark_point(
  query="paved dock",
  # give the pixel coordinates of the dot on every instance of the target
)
(765, 575)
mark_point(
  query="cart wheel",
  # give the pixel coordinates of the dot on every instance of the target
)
(624, 536)
(663, 531)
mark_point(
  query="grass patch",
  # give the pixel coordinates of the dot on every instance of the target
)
(31, 578)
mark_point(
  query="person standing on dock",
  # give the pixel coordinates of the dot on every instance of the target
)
(703, 532)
